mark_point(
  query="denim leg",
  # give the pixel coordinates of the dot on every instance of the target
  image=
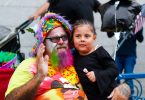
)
(120, 65)
(129, 67)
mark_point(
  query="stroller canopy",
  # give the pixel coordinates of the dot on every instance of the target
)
(5, 35)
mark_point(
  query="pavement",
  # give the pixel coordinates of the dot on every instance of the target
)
(15, 12)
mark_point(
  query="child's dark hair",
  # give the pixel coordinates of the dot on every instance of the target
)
(84, 22)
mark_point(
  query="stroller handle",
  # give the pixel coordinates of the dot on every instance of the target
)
(24, 25)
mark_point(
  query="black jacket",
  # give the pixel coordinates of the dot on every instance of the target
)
(74, 9)
(105, 71)
(128, 48)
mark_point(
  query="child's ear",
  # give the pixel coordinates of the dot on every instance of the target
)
(94, 37)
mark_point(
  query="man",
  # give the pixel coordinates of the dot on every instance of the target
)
(33, 79)
(72, 10)
(50, 75)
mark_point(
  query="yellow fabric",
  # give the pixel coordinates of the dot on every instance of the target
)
(69, 73)
(20, 77)
(48, 90)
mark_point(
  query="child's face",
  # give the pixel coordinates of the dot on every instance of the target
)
(83, 39)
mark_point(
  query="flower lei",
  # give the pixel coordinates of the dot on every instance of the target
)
(69, 73)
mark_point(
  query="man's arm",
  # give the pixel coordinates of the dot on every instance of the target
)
(29, 89)
(121, 92)
(26, 91)
(40, 10)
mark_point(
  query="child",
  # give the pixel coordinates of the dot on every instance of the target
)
(95, 67)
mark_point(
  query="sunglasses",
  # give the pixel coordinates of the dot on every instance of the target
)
(57, 38)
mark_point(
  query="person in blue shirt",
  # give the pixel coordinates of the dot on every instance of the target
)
(126, 55)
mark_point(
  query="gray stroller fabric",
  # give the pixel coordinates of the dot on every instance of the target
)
(6, 35)
(4, 31)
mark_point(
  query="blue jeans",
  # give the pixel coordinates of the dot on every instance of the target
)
(126, 64)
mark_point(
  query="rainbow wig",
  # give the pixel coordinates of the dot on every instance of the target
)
(45, 25)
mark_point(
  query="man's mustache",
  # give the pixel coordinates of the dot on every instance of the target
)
(59, 47)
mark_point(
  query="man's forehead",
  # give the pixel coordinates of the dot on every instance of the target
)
(57, 32)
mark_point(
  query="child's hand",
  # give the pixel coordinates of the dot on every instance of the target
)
(90, 75)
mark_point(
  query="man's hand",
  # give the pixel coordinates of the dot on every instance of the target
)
(29, 90)
(42, 61)
(121, 92)
(40, 11)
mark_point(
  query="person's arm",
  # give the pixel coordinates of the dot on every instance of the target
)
(97, 4)
(121, 92)
(26, 91)
(40, 10)
(108, 72)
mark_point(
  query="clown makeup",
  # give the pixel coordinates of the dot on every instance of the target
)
(51, 46)
(57, 45)
(56, 40)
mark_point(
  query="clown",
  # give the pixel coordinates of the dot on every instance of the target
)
(50, 75)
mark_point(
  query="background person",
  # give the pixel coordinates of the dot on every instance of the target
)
(126, 55)
(72, 10)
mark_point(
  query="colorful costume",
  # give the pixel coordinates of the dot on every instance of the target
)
(56, 86)
(59, 84)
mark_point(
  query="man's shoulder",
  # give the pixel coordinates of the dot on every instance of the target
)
(30, 59)
(27, 62)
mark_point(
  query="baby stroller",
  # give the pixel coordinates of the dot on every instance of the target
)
(10, 39)
(10, 54)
